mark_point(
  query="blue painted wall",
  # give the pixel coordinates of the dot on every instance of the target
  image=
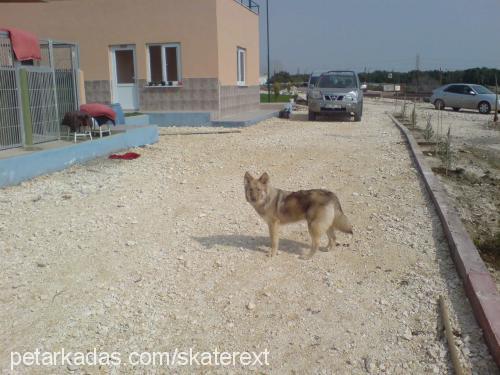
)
(168, 119)
(137, 120)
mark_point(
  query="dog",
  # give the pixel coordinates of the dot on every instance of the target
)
(320, 208)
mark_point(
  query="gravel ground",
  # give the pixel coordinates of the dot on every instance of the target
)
(164, 252)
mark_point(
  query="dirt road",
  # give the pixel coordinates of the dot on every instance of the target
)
(163, 252)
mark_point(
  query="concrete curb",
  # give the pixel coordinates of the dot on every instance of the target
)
(479, 286)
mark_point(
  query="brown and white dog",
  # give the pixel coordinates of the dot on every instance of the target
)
(320, 208)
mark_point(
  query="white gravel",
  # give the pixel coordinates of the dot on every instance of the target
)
(163, 252)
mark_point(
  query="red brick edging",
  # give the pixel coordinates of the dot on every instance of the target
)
(479, 286)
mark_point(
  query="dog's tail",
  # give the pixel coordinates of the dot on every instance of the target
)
(342, 223)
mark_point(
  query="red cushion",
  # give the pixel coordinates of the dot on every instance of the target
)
(25, 45)
(98, 110)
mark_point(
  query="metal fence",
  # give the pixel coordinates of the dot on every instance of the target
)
(66, 79)
(10, 109)
(52, 90)
(43, 104)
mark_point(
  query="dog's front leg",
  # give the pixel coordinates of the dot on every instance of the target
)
(274, 227)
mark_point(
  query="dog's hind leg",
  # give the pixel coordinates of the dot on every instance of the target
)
(332, 239)
(315, 232)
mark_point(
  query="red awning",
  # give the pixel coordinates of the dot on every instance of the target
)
(25, 45)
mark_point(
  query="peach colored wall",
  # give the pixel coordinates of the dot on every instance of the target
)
(237, 27)
(97, 24)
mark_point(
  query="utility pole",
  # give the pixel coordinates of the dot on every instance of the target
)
(418, 71)
(268, 56)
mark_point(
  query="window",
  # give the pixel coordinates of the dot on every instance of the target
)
(467, 90)
(125, 71)
(339, 80)
(242, 62)
(164, 64)
(459, 89)
(455, 89)
(481, 90)
(313, 80)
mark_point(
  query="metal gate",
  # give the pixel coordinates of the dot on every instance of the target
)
(10, 108)
(50, 88)
(43, 104)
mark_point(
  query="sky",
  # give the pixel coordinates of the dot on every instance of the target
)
(308, 35)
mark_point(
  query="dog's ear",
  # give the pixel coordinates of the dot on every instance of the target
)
(248, 178)
(264, 178)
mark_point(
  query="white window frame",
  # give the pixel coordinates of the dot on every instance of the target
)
(241, 76)
(164, 61)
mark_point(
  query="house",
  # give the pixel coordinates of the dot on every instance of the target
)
(156, 55)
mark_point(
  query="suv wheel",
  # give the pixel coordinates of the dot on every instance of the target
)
(312, 116)
(357, 117)
(439, 104)
(484, 108)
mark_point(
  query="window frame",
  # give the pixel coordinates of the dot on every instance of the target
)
(164, 69)
(240, 51)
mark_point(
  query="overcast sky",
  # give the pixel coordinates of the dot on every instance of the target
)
(381, 34)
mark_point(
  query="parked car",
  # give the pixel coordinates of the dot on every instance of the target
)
(336, 92)
(313, 80)
(460, 95)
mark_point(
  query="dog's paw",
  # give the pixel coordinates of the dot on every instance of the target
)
(273, 254)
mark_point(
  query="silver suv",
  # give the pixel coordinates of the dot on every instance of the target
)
(337, 91)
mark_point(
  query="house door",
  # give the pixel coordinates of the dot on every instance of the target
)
(124, 77)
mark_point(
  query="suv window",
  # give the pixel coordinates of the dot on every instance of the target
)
(313, 80)
(338, 80)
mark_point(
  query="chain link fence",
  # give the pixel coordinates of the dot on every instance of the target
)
(10, 109)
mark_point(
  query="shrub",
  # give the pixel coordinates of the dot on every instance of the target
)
(445, 151)
(428, 131)
(413, 117)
